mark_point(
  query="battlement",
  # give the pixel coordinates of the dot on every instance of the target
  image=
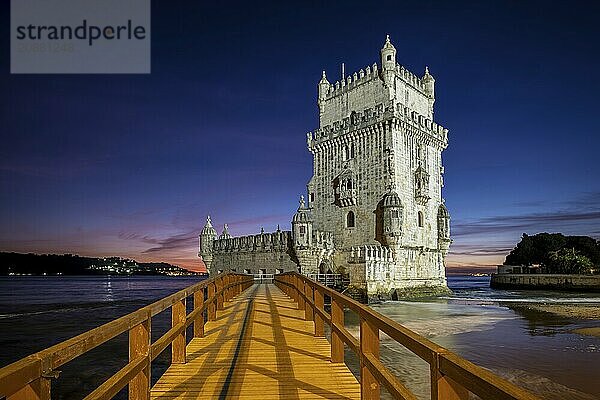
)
(274, 241)
(353, 80)
(362, 119)
(362, 254)
(410, 78)
(367, 74)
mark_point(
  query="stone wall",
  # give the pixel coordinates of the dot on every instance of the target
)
(268, 253)
(266, 262)
(546, 281)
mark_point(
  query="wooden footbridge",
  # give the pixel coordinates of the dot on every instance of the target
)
(258, 341)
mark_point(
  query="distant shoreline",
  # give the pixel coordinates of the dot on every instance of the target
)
(20, 264)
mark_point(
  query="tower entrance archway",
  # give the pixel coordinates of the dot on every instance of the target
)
(325, 267)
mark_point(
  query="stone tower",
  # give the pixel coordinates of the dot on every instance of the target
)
(375, 208)
(207, 236)
(377, 177)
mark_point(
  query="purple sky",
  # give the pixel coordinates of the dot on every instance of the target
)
(130, 165)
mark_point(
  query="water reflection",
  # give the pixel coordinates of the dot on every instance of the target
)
(109, 289)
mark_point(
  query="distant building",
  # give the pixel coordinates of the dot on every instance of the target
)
(375, 208)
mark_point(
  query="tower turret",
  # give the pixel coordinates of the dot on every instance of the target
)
(207, 236)
(225, 234)
(388, 62)
(392, 218)
(429, 84)
(323, 87)
(443, 225)
(302, 227)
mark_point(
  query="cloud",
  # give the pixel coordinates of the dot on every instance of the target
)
(473, 250)
(485, 242)
(534, 221)
(584, 210)
(175, 242)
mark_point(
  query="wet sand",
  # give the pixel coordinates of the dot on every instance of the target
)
(594, 331)
(569, 311)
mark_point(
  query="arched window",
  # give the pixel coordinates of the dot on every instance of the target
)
(346, 153)
(420, 219)
(350, 219)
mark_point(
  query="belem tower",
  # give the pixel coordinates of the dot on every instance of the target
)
(374, 208)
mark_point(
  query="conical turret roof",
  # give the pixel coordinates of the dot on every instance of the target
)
(208, 228)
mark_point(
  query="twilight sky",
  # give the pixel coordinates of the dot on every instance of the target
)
(130, 165)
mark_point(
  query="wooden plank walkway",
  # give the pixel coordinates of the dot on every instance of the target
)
(259, 347)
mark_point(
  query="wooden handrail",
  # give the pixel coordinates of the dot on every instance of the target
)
(29, 378)
(452, 377)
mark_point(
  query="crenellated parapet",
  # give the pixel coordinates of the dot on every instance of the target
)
(350, 82)
(274, 241)
(364, 121)
(367, 74)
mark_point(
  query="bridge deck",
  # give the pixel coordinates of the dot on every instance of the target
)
(261, 347)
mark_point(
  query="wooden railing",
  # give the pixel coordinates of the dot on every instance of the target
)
(30, 377)
(451, 376)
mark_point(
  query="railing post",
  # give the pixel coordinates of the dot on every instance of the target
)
(337, 318)
(319, 322)
(230, 281)
(226, 281)
(139, 345)
(309, 311)
(178, 345)
(199, 321)
(220, 296)
(442, 387)
(294, 289)
(36, 390)
(290, 289)
(369, 343)
(212, 308)
(300, 292)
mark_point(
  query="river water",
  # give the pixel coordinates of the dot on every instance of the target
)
(492, 328)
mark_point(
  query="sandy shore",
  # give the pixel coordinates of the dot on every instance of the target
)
(567, 310)
(595, 331)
